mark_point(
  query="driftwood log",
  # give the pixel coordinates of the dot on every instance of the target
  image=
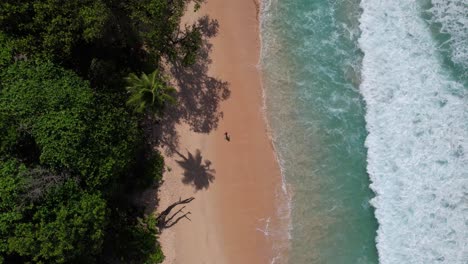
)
(166, 220)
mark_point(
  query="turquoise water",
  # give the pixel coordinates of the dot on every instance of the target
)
(367, 105)
(311, 62)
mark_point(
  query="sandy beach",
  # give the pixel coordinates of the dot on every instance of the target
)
(236, 184)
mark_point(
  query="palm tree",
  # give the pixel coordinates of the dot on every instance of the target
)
(149, 92)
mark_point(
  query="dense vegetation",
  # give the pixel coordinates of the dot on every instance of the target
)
(77, 80)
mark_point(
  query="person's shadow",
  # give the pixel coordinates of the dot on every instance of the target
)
(197, 172)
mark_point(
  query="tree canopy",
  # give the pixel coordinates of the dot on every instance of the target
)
(77, 31)
(72, 148)
(53, 27)
(50, 231)
(54, 112)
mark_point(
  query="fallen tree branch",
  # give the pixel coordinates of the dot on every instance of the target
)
(178, 219)
(163, 219)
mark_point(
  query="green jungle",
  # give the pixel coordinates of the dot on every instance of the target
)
(81, 82)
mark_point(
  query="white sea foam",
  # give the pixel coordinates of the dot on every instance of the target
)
(417, 119)
(453, 18)
(282, 234)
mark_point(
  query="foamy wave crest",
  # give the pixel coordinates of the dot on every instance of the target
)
(280, 231)
(453, 17)
(417, 122)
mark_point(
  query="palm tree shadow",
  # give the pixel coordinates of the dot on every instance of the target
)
(199, 94)
(196, 171)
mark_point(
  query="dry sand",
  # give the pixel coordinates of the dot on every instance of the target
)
(236, 184)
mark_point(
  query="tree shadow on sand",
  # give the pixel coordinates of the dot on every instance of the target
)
(199, 94)
(197, 172)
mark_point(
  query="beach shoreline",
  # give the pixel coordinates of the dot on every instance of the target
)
(234, 217)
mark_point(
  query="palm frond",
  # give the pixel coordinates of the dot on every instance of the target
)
(149, 92)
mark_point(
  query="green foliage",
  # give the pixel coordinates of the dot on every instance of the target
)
(11, 190)
(189, 45)
(9, 135)
(71, 129)
(52, 231)
(163, 34)
(149, 92)
(112, 142)
(59, 30)
(11, 186)
(51, 27)
(58, 228)
(6, 50)
(53, 110)
(71, 154)
(30, 90)
(152, 172)
(40, 102)
(155, 167)
(137, 243)
(60, 231)
(60, 136)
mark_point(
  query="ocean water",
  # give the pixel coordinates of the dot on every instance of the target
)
(366, 102)
(417, 118)
(311, 63)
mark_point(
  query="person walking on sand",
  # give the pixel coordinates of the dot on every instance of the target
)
(226, 136)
